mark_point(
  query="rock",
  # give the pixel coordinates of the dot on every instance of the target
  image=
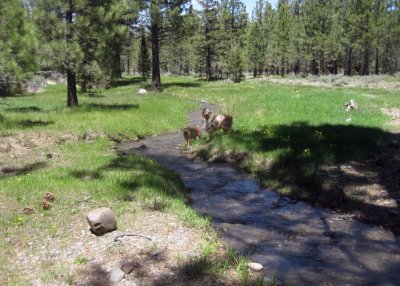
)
(255, 266)
(142, 91)
(101, 220)
(116, 275)
(127, 267)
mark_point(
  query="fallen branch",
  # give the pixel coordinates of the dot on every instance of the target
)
(118, 237)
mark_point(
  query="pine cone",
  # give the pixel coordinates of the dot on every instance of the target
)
(48, 197)
(46, 204)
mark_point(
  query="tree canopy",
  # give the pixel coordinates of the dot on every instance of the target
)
(94, 41)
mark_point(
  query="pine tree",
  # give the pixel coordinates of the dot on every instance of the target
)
(232, 24)
(268, 31)
(158, 10)
(256, 40)
(143, 57)
(297, 38)
(282, 35)
(208, 37)
(18, 45)
(235, 65)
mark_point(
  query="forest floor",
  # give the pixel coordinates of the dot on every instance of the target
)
(46, 147)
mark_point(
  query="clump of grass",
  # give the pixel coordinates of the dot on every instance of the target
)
(80, 260)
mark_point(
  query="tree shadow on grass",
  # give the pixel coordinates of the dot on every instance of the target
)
(127, 81)
(86, 175)
(167, 85)
(148, 175)
(330, 165)
(107, 107)
(25, 109)
(28, 123)
(159, 182)
(17, 171)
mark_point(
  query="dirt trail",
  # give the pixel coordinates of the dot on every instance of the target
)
(300, 244)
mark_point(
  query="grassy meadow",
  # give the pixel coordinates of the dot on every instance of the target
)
(291, 137)
(288, 136)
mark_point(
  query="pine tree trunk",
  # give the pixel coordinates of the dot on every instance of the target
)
(376, 61)
(155, 51)
(314, 69)
(296, 68)
(117, 72)
(72, 98)
(254, 72)
(208, 64)
(347, 70)
(335, 67)
(321, 63)
(365, 62)
(385, 63)
(282, 67)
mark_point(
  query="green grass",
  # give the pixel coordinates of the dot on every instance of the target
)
(118, 109)
(290, 135)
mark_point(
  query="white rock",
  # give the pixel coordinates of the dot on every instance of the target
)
(142, 91)
(255, 266)
(116, 275)
(101, 220)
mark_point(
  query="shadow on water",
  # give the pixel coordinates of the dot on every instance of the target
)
(319, 163)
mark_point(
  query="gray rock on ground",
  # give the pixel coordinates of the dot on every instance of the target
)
(116, 275)
(255, 266)
(101, 220)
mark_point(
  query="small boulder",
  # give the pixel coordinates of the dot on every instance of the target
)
(255, 266)
(142, 91)
(101, 220)
(116, 275)
(127, 267)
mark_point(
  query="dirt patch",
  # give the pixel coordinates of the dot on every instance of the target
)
(24, 152)
(337, 81)
(394, 121)
(18, 144)
(73, 253)
(164, 252)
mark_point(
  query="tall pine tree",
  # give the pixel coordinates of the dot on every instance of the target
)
(18, 45)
